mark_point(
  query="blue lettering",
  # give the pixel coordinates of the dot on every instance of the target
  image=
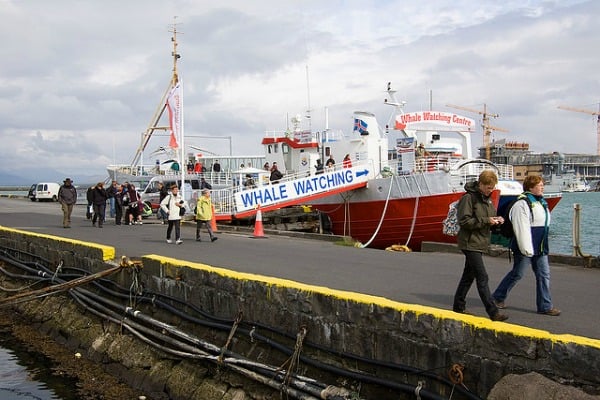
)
(268, 196)
(331, 181)
(247, 199)
(322, 182)
(349, 176)
(299, 187)
(283, 192)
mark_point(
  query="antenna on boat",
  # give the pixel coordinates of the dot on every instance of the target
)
(174, 53)
(308, 100)
(162, 105)
(398, 105)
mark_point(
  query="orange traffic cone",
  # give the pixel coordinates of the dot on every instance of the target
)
(213, 220)
(258, 225)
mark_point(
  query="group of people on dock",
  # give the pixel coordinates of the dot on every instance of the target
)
(126, 207)
(476, 217)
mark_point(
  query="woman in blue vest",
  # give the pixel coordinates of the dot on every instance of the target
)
(530, 245)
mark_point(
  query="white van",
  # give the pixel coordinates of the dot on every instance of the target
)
(46, 191)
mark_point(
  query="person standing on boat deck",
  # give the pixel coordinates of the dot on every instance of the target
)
(249, 182)
(217, 170)
(330, 164)
(476, 215)
(420, 155)
(319, 167)
(171, 205)
(67, 197)
(530, 246)
(204, 184)
(111, 191)
(99, 197)
(266, 167)
(276, 175)
(347, 162)
(204, 215)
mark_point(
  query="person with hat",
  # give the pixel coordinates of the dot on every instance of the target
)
(204, 215)
(67, 197)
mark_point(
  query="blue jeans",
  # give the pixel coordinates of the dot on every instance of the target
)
(541, 270)
(474, 271)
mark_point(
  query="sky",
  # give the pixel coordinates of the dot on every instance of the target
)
(81, 80)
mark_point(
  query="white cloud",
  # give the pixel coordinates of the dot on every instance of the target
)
(82, 79)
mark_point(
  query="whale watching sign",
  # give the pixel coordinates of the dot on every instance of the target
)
(288, 191)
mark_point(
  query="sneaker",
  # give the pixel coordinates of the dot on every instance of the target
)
(179, 241)
(499, 317)
(500, 304)
(169, 241)
(552, 312)
(212, 239)
(198, 240)
(140, 223)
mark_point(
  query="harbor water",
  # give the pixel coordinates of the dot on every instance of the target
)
(27, 375)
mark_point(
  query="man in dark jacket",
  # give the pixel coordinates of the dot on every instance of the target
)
(476, 215)
(67, 197)
(99, 198)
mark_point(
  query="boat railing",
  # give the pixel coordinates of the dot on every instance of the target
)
(468, 170)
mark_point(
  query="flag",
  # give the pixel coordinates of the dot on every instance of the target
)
(175, 108)
(399, 125)
(360, 125)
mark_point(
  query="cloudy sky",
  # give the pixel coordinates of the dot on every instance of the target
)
(80, 80)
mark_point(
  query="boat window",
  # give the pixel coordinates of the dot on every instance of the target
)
(270, 149)
(327, 151)
(285, 148)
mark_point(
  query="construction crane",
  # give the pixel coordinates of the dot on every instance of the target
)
(487, 128)
(596, 113)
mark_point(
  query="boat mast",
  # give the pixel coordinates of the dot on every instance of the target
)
(162, 105)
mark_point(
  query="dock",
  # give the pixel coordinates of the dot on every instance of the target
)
(419, 278)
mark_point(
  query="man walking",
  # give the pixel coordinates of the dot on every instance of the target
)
(67, 197)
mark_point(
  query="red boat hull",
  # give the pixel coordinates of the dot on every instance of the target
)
(401, 224)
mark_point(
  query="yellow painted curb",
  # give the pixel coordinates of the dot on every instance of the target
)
(108, 252)
(467, 320)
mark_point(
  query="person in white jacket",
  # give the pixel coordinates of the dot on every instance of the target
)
(171, 205)
(530, 245)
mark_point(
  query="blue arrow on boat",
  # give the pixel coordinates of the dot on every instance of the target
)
(361, 173)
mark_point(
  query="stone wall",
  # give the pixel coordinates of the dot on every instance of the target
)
(367, 326)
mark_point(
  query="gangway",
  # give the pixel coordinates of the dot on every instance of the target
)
(293, 189)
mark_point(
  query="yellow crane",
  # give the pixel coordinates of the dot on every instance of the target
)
(596, 113)
(487, 128)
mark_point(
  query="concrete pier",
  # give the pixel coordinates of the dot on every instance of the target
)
(393, 307)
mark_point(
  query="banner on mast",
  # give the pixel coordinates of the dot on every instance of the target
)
(174, 106)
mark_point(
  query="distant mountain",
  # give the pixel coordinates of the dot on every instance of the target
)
(28, 176)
